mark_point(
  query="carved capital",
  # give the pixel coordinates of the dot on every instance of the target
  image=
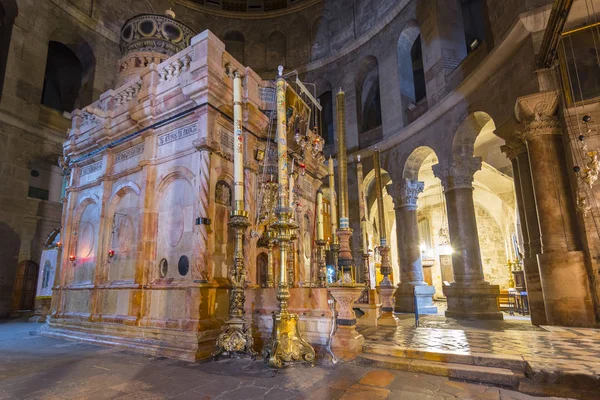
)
(513, 148)
(459, 174)
(537, 112)
(406, 192)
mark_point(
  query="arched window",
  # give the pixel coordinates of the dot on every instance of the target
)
(234, 44)
(418, 71)
(8, 12)
(474, 13)
(411, 72)
(369, 104)
(276, 50)
(63, 78)
(326, 101)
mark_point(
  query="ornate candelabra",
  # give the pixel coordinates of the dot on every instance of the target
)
(285, 346)
(236, 336)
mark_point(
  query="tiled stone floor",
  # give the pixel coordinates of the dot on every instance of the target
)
(572, 350)
(35, 367)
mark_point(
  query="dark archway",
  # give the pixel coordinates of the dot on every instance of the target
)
(234, 44)
(276, 50)
(8, 13)
(475, 21)
(25, 285)
(9, 255)
(62, 79)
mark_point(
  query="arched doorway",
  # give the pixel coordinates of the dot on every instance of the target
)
(9, 254)
(25, 285)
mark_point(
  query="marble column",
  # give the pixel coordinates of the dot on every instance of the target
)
(516, 152)
(563, 273)
(469, 296)
(412, 284)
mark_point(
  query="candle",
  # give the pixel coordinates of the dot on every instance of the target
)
(361, 205)
(238, 150)
(342, 160)
(332, 200)
(320, 230)
(379, 192)
(282, 149)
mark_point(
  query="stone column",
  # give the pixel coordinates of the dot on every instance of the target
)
(564, 278)
(412, 284)
(469, 296)
(516, 151)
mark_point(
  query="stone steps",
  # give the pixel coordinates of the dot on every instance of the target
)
(466, 372)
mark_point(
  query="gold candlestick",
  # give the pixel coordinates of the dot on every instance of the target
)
(236, 336)
(285, 346)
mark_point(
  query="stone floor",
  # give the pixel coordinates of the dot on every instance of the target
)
(35, 367)
(572, 350)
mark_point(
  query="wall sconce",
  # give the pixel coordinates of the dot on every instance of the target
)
(303, 169)
(72, 258)
(59, 244)
(111, 253)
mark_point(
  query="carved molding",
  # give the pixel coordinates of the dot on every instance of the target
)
(537, 112)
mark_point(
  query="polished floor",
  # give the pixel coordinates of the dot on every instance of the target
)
(36, 367)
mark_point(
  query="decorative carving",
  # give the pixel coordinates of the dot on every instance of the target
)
(459, 174)
(180, 133)
(203, 210)
(538, 113)
(407, 192)
(130, 152)
(223, 193)
(90, 169)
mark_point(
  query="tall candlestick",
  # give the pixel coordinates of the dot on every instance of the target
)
(342, 159)
(320, 228)
(332, 201)
(361, 206)
(238, 151)
(285, 345)
(379, 193)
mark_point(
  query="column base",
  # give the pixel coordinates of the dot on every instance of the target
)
(386, 294)
(405, 298)
(473, 301)
(371, 314)
(535, 296)
(566, 289)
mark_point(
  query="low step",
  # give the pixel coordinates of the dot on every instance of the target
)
(504, 361)
(474, 373)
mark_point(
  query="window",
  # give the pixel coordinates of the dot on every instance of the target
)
(8, 12)
(63, 77)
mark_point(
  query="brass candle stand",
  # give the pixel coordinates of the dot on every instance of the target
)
(286, 346)
(236, 339)
(322, 263)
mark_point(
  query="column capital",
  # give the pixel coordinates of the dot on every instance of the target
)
(513, 148)
(459, 173)
(406, 192)
(538, 113)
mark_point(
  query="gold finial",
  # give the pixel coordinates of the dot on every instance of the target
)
(170, 13)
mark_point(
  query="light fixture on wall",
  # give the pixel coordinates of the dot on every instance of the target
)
(72, 258)
(474, 44)
(111, 253)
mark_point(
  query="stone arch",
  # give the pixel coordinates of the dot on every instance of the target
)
(415, 161)
(368, 101)
(410, 66)
(319, 39)
(235, 45)
(25, 285)
(70, 70)
(8, 13)
(463, 144)
(173, 174)
(84, 241)
(276, 50)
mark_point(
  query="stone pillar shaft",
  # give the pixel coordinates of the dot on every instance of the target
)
(469, 296)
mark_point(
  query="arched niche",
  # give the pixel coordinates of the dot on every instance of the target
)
(325, 97)
(8, 13)
(475, 19)
(123, 234)
(234, 44)
(69, 72)
(319, 39)
(368, 102)
(175, 238)
(85, 243)
(276, 50)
